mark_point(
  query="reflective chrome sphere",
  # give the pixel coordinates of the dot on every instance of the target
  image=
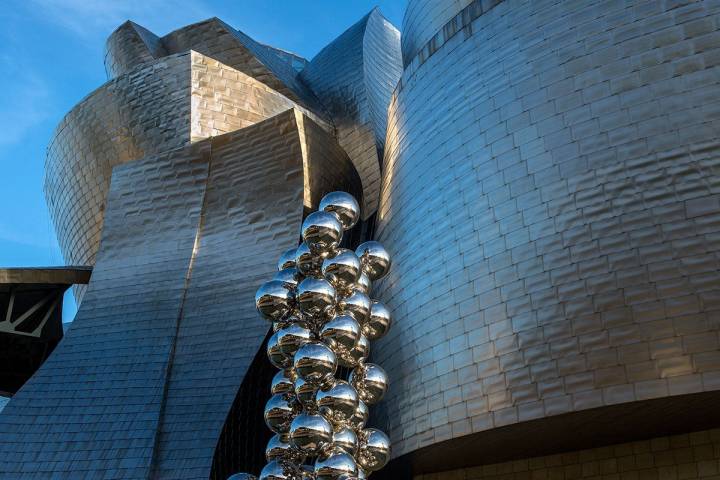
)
(281, 384)
(316, 363)
(287, 259)
(279, 412)
(274, 299)
(370, 381)
(344, 206)
(307, 262)
(279, 448)
(341, 334)
(342, 269)
(291, 338)
(358, 305)
(289, 276)
(374, 449)
(356, 355)
(322, 231)
(279, 470)
(338, 403)
(346, 440)
(310, 433)
(374, 258)
(305, 393)
(360, 417)
(315, 297)
(379, 323)
(276, 357)
(334, 465)
(364, 284)
(242, 476)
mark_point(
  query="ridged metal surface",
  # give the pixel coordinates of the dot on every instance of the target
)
(423, 19)
(143, 382)
(163, 105)
(551, 195)
(354, 77)
(130, 46)
(217, 39)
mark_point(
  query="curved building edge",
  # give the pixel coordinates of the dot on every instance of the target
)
(550, 205)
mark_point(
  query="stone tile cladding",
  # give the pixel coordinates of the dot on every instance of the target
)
(354, 77)
(551, 196)
(689, 456)
(157, 107)
(142, 383)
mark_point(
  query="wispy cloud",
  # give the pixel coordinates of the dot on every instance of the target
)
(90, 18)
(24, 104)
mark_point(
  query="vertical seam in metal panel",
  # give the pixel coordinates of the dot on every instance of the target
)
(178, 321)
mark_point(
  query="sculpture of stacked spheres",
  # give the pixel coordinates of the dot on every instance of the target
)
(323, 318)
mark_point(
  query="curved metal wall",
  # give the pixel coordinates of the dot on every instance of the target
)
(551, 196)
(423, 19)
(143, 381)
(354, 77)
(159, 106)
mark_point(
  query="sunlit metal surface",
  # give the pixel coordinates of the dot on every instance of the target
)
(550, 190)
(354, 77)
(160, 345)
(213, 37)
(166, 104)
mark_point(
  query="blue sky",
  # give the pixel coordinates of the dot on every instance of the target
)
(51, 56)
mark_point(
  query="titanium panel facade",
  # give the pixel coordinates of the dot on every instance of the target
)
(165, 104)
(143, 382)
(355, 76)
(550, 192)
(423, 19)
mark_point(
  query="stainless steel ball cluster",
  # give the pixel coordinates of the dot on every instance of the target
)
(322, 318)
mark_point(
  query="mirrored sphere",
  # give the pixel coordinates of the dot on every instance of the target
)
(279, 470)
(322, 231)
(279, 448)
(310, 433)
(316, 363)
(346, 440)
(289, 276)
(276, 357)
(341, 334)
(370, 381)
(307, 262)
(242, 476)
(274, 299)
(342, 268)
(291, 338)
(374, 449)
(357, 355)
(379, 323)
(305, 393)
(338, 403)
(360, 417)
(358, 305)
(287, 259)
(279, 412)
(281, 384)
(374, 258)
(334, 465)
(315, 297)
(364, 284)
(344, 206)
